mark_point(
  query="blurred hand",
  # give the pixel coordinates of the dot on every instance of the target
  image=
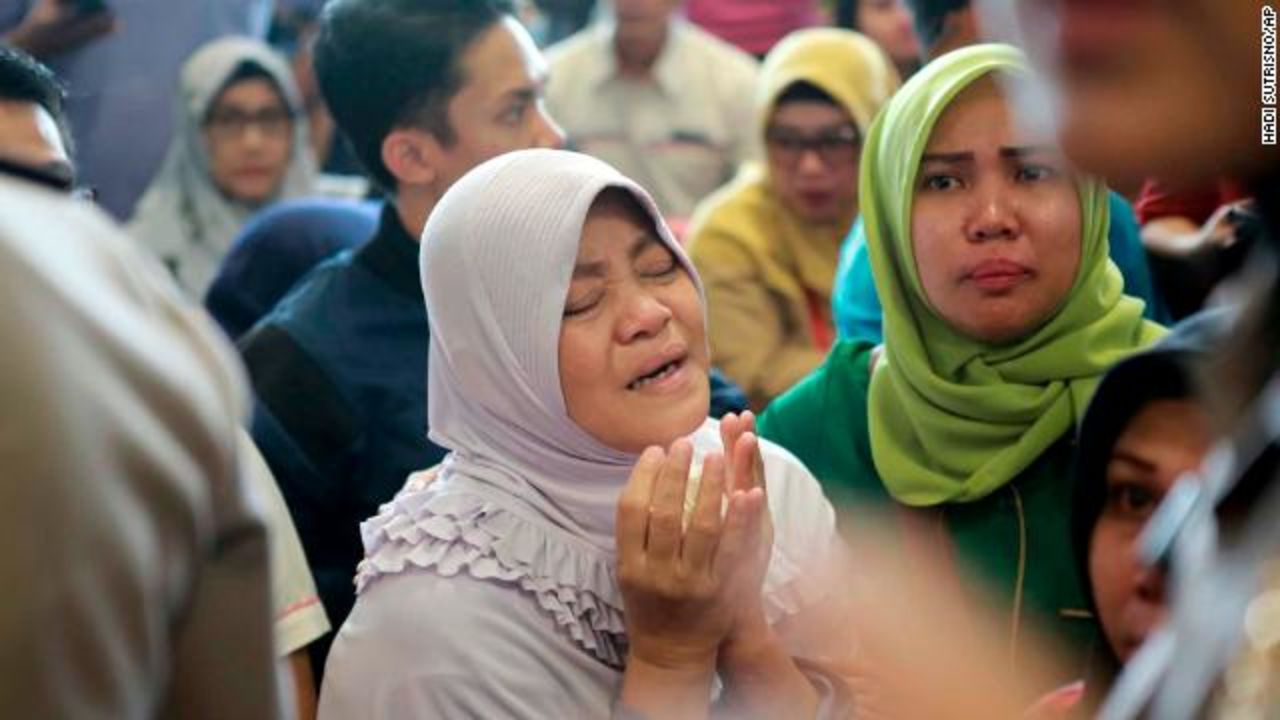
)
(1220, 229)
(52, 27)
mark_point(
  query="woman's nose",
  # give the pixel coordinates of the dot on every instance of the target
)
(644, 316)
(994, 217)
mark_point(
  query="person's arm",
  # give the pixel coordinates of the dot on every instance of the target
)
(304, 684)
(53, 27)
(760, 675)
(299, 618)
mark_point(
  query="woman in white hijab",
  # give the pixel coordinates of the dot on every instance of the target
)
(546, 571)
(240, 142)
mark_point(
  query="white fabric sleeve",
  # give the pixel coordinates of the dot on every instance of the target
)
(299, 617)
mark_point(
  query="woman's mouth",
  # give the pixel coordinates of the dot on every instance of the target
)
(999, 275)
(665, 377)
(817, 198)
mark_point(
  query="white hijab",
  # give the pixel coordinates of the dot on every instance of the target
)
(183, 217)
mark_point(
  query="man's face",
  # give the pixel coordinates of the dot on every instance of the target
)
(643, 15)
(29, 137)
(499, 107)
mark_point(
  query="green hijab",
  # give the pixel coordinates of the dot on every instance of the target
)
(954, 419)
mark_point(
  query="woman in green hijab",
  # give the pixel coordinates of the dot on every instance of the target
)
(1002, 312)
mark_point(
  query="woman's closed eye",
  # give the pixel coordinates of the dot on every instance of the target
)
(658, 268)
(655, 261)
(583, 302)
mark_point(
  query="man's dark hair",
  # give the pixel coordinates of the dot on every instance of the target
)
(384, 64)
(25, 79)
(931, 18)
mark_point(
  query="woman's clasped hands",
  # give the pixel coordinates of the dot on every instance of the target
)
(691, 585)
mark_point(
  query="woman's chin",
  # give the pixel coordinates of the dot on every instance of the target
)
(662, 424)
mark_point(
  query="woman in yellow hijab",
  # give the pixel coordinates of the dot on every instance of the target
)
(767, 243)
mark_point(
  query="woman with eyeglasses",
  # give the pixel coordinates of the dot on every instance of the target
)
(767, 244)
(239, 144)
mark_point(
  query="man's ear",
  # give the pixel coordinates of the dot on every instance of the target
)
(410, 154)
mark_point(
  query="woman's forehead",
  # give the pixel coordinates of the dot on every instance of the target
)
(982, 114)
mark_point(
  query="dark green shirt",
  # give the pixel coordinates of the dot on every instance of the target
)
(1016, 542)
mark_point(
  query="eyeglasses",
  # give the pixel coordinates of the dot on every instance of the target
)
(834, 148)
(229, 124)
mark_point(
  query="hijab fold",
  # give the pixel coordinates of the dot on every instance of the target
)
(954, 419)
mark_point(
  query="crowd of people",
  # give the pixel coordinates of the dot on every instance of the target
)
(638, 359)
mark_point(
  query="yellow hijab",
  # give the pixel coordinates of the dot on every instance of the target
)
(794, 255)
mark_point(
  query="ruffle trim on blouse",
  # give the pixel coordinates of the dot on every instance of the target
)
(451, 532)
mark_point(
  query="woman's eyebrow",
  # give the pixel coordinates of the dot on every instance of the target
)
(598, 268)
(1130, 458)
(1025, 150)
(642, 243)
(590, 270)
(951, 158)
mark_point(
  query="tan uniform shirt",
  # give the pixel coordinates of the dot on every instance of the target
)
(681, 133)
(133, 563)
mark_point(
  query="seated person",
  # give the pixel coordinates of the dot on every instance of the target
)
(659, 98)
(568, 350)
(1144, 428)
(1002, 312)
(889, 24)
(766, 244)
(240, 143)
(275, 249)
